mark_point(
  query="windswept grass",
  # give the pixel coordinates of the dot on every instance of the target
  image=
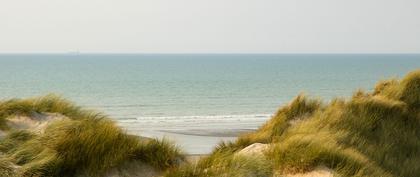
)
(407, 90)
(161, 154)
(6, 168)
(370, 134)
(86, 144)
(46, 104)
(224, 164)
(297, 110)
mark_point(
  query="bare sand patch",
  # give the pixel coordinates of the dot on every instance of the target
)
(36, 122)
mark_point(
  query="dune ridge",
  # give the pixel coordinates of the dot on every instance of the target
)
(373, 133)
(50, 136)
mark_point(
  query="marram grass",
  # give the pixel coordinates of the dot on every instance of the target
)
(46, 104)
(85, 144)
(225, 164)
(370, 134)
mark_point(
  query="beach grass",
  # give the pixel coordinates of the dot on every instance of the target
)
(50, 103)
(225, 164)
(86, 143)
(370, 134)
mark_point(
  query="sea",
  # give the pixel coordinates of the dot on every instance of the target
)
(194, 99)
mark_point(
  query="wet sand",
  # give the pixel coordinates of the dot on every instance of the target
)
(192, 144)
(194, 135)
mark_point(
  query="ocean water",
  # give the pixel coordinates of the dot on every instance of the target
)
(194, 94)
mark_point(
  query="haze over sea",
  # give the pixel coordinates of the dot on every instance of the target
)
(208, 95)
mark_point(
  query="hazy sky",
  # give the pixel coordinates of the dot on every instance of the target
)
(222, 26)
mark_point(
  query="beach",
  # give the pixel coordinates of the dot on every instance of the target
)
(195, 134)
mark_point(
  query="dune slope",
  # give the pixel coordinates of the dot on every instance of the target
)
(370, 134)
(50, 136)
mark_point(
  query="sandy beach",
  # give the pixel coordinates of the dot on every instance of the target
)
(194, 134)
(193, 142)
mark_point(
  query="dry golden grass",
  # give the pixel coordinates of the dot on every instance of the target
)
(370, 134)
(86, 144)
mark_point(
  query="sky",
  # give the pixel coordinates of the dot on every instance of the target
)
(210, 26)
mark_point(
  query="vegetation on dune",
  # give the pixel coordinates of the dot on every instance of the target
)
(47, 104)
(6, 168)
(86, 144)
(225, 164)
(369, 134)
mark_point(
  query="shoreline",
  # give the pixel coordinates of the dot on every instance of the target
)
(197, 134)
(192, 144)
(210, 133)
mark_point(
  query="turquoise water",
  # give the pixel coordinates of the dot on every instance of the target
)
(195, 100)
(133, 86)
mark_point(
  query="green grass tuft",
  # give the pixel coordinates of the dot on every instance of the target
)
(225, 165)
(370, 134)
(161, 154)
(46, 104)
(410, 93)
(6, 168)
(298, 109)
(85, 144)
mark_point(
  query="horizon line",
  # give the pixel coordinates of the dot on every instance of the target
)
(209, 53)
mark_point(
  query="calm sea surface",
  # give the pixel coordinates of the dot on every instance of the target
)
(194, 94)
(133, 86)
